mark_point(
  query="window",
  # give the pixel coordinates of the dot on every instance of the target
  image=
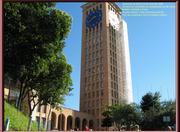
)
(97, 102)
(97, 84)
(85, 104)
(100, 6)
(101, 52)
(93, 111)
(102, 93)
(93, 94)
(100, 26)
(97, 111)
(97, 122)
(89, 95)
(111, 77)
(101, 75)
(97, 93)
(101, 84)
(115, 94)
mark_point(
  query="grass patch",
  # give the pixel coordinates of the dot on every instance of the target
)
(18, 121)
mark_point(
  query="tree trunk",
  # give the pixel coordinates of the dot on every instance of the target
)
(48, 121)
(31, 109)
(39, 121)
(30, 122)
(19, 98)
(30, 113)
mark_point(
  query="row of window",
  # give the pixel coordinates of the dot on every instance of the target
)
(94, 54)
(114, 94)
(93, 39)
(94, 69)
(93, 108)
(92, 111)
(94, 61)
(114, 84)
(93, 46)
(114, 77)
(94, 42)
(93, 77)
(111, 8)
(113, 54)
(114, 101)
(94, 94)
(113, 69)
(93, 88)
(112, 31)
(113, 47)
(113, 61)
(95, 30)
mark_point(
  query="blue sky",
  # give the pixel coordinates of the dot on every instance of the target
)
(152, 43)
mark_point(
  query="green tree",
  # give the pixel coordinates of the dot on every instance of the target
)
(150, 105)
(154, 111)
(124, 115)
(34, 40)
(107, 121)
(150, 100)
(50, 87)
(168, 110)
(33, 32)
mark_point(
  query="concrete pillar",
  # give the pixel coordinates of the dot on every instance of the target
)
(73, 122)
(56, 121)
(65, 123)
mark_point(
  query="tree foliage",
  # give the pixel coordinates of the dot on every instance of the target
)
(124, 115)
(154, 111)
(34, 41)
(107, 121)
(150, 100)
(148, 115)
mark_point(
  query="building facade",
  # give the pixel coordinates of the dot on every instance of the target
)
(105, 60)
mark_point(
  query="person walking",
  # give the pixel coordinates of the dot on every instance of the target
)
(86, 128)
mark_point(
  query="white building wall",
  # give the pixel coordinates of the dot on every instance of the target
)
(127, 65)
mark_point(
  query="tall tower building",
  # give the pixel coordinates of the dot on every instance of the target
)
(105, 60)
